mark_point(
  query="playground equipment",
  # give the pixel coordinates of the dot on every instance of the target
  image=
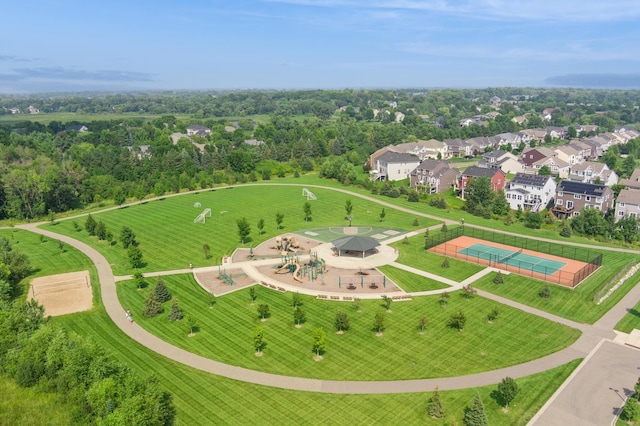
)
(202, 216)
(291, 265)
(310, 195)
(224, 276)
(286, 244)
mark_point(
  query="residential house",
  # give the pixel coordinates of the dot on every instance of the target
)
(33, 110)
(572, 197)
(394, 166)
(585, 129)
(503, 160)
(584, 150)
(496, 176)
(568, 154)
(556, 165)
(532, 155)
(530, 192)
(199, 130)
(457, 148)
(433, 176)
(253, 142)
(465, 122)
(14, 110)
(592, 172)
(556, 132)
(479, 144)
(521, 120)
(628, 204)
(535, 134)
(513, 139)
(633, 182)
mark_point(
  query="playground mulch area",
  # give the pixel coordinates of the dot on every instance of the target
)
(212, 281)
(267, 249)
(350, 282)
(564, 275)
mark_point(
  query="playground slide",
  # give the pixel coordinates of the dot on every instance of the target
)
(283, 269)
(296, 272)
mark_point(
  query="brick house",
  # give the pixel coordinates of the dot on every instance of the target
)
(496, 176)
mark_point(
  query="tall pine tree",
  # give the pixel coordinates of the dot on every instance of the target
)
(475, 415)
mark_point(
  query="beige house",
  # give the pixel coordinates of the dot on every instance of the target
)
(628, 204)
(633, 182)
(433, 176)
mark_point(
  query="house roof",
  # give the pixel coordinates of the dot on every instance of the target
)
(533, 180)
(474, 171)
(581, 188)
(596, 167)
(629, 196)
(398, 157)
(197, 127)
(355, 243)
(633, 181)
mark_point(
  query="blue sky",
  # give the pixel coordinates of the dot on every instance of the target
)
(289, 44)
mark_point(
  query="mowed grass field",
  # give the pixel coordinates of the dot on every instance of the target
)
(203, 398)
(576, 304)
(226, 334)
(169, 239)
(409, 281)
(630, 321)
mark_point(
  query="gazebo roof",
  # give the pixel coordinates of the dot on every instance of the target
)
(355, 243)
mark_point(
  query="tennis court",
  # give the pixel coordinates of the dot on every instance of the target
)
(518, 258)
(513, 258)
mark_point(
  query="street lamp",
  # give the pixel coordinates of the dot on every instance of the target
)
(462, 223)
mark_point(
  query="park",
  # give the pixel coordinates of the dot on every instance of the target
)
(219, 275)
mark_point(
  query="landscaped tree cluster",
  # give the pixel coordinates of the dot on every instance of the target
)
(39, 354)
(154, 300)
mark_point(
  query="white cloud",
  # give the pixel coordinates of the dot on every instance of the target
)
(544, 10)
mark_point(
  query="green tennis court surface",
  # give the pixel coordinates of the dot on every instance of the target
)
(513, 258)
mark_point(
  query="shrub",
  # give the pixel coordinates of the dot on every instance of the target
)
(545, 293)
(445, 263)
(499, 278)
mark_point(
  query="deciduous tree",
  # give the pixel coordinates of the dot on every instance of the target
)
(508, 390)
(319, 341)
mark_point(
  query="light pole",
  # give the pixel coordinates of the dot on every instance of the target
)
(462, 223)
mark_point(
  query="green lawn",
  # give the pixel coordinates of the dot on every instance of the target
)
(226, 333)
(203, 398)
(413, 254)
(630, 321)
(409, 281)
(26, 406)
(170, 240)
(577, 304)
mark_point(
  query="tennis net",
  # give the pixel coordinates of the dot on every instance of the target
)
(509, 256)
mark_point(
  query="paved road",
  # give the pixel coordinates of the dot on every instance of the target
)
(591, 337)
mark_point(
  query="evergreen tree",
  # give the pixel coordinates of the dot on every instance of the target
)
(475, 415)
(152, 306)
(175, 314)
(161, 291)
(101, 231)
(127, 237)
(434, 406)
(90, 225)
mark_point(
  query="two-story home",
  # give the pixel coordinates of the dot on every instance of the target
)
(503, 160)
(572, 197)
(532, 155)
(433, 176)
(556, 165)
(628, 204)
(530, 192)
(496, 176)
(394, 166)
(568, 154)
(592, 172)
(457, 148)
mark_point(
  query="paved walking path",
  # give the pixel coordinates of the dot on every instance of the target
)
(592, 334)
